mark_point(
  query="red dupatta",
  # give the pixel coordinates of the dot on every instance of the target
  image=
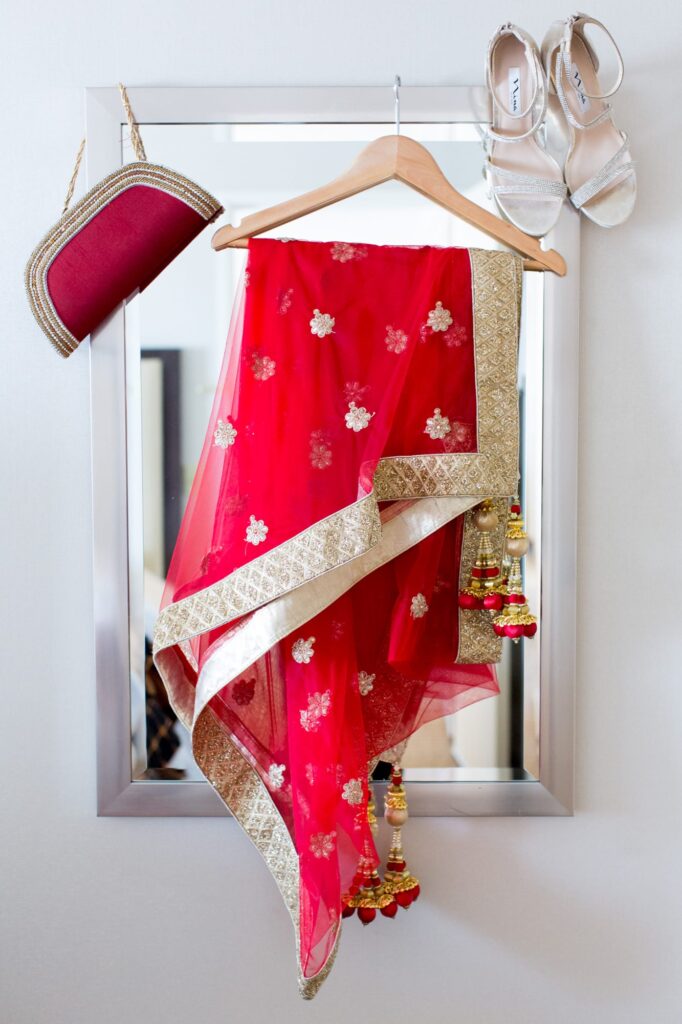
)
(310, 620)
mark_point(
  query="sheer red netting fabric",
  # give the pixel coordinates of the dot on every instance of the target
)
(307, 622)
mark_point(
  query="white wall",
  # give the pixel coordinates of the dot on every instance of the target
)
(522, 921)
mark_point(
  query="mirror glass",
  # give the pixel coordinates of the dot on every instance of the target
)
(175, 335)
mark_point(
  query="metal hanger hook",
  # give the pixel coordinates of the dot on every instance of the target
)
(396, 92)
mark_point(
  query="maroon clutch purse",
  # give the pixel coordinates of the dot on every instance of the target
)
(112, 244)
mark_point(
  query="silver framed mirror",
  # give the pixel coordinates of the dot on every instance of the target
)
(153, 368)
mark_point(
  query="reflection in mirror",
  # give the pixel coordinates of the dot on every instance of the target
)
(175, 334)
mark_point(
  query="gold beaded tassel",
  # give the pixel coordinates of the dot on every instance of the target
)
(368, 893)
(397, 879)
(515, 621)
(485, 586)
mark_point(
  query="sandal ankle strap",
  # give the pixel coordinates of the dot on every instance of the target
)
(564, 64)
(540, 89)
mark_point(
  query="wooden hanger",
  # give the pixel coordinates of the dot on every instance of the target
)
(394, 157)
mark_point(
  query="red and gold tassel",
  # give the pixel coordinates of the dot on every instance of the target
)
(397, 879)
(515, 620)
(368, 893)
(483, 590)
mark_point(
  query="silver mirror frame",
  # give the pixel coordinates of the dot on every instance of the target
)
(117, 793)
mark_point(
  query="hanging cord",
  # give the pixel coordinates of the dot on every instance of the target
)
(74, 176)
(132, 124)
(135, 139)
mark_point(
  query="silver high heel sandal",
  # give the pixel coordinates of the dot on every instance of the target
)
(524, 180)
(599, 170)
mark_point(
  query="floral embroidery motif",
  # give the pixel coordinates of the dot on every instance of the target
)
(263, 367)
(396, 340)
(437, 426)
(354, 392)
(322, 844)
(247, 278)
(344, 251)
(338, 629)
(366, 682)
(302, 650)
(418, 606)
(320, 450)
(439, 318)
(460, 438)
(224, 434)
(243, 691)
(318, 707)
(352, 791)
(321, 457)
(256, 531)
(284, 301)
(235, 504)
(322, 324)
(357, 418)
(455, 336)
(310, 774)
(276, 776)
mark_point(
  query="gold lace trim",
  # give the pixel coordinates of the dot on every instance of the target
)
(326, 544)
(139, 173)
(240, 787)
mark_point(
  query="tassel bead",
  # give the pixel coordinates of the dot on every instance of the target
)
(483, 589)
(403, 886)
(515, 620)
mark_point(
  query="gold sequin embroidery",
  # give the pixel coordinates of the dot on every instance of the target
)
(439, 319)
(395, 340)
(437, 426)
(322, 844)
(322, 324)
(302, 650)
(256, 531)
(224, 435)
(318, 708)
(357, 418)
(263, 367)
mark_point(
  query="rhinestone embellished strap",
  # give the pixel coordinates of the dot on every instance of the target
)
(612, 169)
(529, 184)
(539, 85)
(563, 68)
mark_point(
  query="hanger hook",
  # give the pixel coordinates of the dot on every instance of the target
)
(396, 92)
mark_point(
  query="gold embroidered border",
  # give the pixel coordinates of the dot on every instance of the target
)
(139, 173)
(256, 633)
(493, 469)
(478, 642)
(328, 543)
(243, 791)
